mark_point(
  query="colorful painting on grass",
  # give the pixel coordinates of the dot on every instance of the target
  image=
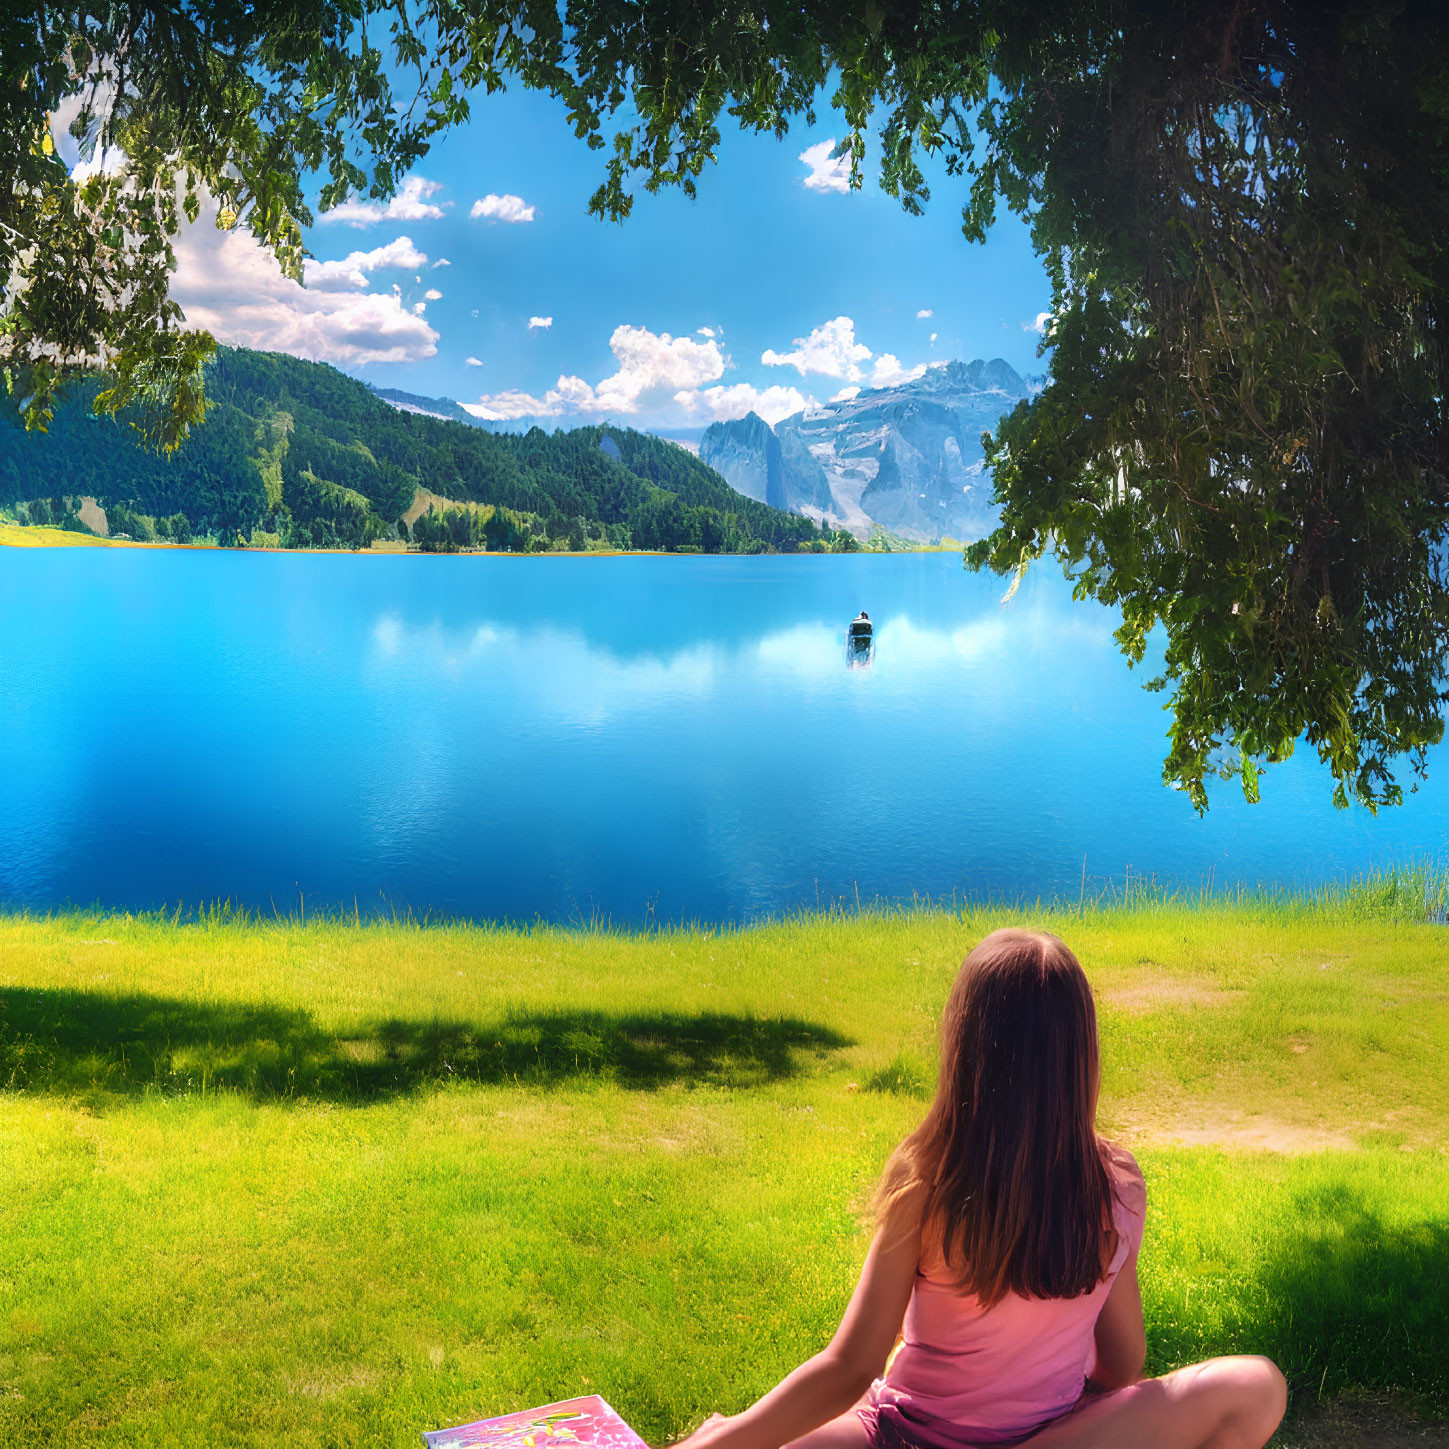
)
(587, 1422)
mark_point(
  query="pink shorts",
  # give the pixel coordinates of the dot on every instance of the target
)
(883, 1427)
(887, 1428)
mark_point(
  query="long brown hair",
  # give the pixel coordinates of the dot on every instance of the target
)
(1013, 1184)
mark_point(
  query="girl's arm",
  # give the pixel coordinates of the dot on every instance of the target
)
(828, 1384)
(1120, 1341)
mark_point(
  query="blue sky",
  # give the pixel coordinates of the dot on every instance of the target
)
(492, 233)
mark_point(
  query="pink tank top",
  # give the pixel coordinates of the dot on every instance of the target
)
(968, 1376)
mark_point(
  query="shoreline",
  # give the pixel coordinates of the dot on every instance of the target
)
(13, 535)
(1409, 895)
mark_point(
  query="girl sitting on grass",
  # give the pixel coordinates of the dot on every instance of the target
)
(1007, 1242)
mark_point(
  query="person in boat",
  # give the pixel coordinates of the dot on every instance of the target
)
(860, 626)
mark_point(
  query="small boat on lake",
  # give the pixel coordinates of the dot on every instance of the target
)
(859, 641)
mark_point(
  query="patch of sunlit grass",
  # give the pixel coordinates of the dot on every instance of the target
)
(38, 536)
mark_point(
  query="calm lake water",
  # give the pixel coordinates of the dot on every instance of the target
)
(634, 738)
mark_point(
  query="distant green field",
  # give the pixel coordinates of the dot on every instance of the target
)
(332, 1183)
(18, 536)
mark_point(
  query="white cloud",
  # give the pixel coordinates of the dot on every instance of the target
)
(432, 295)
(734, 401)
(473, 361)
(1042, 323)
(933, 339)
(226, 282)
(105, 160)
(679, 377)
(410, 204)
(831, 350)
(442, 262)
(534, 322)
(888, 371)
(572, 394)
(61, 118)
(650, 363)
(419, 308)
(649, 360)
(502, 406)
(352, 270)
(502, 208)
(924, 312)
(826, 174)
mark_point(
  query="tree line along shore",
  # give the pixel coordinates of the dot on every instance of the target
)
(294, 454)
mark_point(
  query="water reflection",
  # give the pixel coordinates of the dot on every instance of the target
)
(633, 737)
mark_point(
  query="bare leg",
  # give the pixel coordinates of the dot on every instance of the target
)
(845, 1431)
(1225, 1403)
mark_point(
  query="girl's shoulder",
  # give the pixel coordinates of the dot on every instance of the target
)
(1127, 1180)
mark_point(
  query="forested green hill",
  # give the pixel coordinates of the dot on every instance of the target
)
(298, 454)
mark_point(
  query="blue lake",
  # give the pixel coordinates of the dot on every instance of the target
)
(631, 738)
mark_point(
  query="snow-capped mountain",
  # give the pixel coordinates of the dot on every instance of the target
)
(906, 457)
(430, 407)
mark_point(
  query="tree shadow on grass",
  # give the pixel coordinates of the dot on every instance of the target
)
(100, 1046)
(1367, 1300)
(1348, 1301)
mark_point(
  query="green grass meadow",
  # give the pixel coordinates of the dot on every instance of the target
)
(334, 1182)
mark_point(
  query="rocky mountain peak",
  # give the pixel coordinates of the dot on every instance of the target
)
(907, 457)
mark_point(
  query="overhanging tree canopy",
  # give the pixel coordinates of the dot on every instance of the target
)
(1243, 206)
